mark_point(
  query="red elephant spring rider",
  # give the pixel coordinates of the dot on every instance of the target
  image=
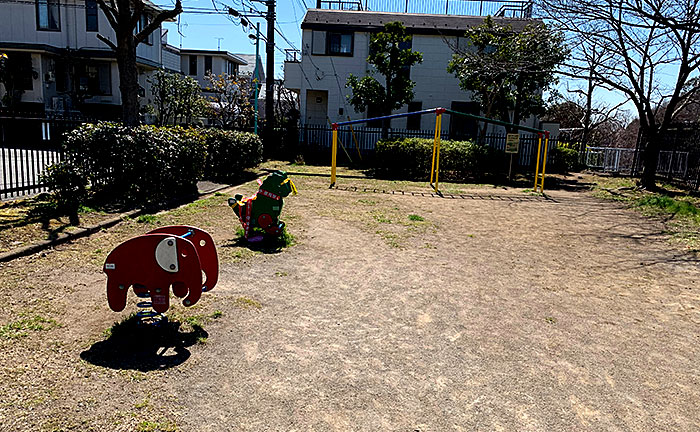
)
(180, 256)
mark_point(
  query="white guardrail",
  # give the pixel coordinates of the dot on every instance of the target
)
(621, 160)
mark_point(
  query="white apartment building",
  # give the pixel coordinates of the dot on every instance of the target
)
(335, 44)
(199, 63)
(69, 68)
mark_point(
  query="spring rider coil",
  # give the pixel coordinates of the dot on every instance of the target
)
(263, 209)
(179, 256)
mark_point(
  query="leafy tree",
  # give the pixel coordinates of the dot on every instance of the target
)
(392, 61)
(651, 52)
(176, 98)
(507, 71)
(124, 16)
(232, 107)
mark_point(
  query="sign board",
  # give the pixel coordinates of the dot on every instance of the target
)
(512, 142)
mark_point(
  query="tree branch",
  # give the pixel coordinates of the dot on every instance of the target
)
(158, 20)
(107, 41)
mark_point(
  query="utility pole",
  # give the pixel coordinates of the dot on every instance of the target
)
(270, 74)
(257, 73)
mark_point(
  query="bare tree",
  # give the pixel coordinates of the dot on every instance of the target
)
(124, 16)
(231, 100)
(635, 44)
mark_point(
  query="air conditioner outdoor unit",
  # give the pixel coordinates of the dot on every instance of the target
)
(58, 103)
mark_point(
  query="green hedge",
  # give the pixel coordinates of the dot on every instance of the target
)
(562, 160)
(149, 164)
(230, 153)
(138, 164)
(410, 158)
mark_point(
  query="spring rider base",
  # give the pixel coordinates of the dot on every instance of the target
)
(263, 209)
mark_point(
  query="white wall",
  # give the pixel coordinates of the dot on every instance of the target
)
(321, 72)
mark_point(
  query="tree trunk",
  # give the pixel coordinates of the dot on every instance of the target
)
(128, 81)
(651, 160)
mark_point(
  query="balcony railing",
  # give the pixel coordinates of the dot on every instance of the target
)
(501, 8)
(292, 55)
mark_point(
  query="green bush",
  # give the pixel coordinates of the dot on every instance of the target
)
(139, 164)
(230, 153)
(562, 160)
(67, 187)
(410, 158)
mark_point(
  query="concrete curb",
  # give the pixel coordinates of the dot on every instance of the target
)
(83, 231)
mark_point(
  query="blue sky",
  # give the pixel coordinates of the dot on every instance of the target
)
(200, 31)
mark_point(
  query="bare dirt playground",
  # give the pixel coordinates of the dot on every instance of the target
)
(495, 310)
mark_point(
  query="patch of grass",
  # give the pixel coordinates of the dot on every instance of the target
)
(217, 314)
(83, 209)
(416, 218)
(21, 327)
(392, 239)
(680, 210)
(268, 243)
(195, 320)
(143, 404)
(381, 218)
(147, 219)
(367, 201)
(152, 426)
(666, 204)
(247, 303)
(281, 274)
(219, 194)
(551, 320)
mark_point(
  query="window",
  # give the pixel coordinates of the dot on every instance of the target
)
(91, 15)
(142, 23)
(406, 70)
(332, 43)
(318, 43)
(466, 128)
(413, 122)
(193, 65)
(47, 15)
(207, 65)
(339, 44)
(95, 79)
(374, 111)
(21, 73)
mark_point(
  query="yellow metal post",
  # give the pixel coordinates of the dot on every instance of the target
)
(354, 138)
(334, 153)
(437, 157)
(435, 141)
(537, 161)
(544, 159)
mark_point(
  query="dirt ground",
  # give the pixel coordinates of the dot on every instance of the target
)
(494, 310)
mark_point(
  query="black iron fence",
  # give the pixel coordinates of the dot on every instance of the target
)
(316, 140)
(28, 145)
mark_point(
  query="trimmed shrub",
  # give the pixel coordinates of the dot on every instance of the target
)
(563, 160)
(145, 164)
(68, 188)
(410, 158)
(230, 153)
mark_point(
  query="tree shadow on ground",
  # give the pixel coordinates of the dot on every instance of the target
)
(144, 347)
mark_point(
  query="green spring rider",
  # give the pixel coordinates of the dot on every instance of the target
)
(263, 209)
